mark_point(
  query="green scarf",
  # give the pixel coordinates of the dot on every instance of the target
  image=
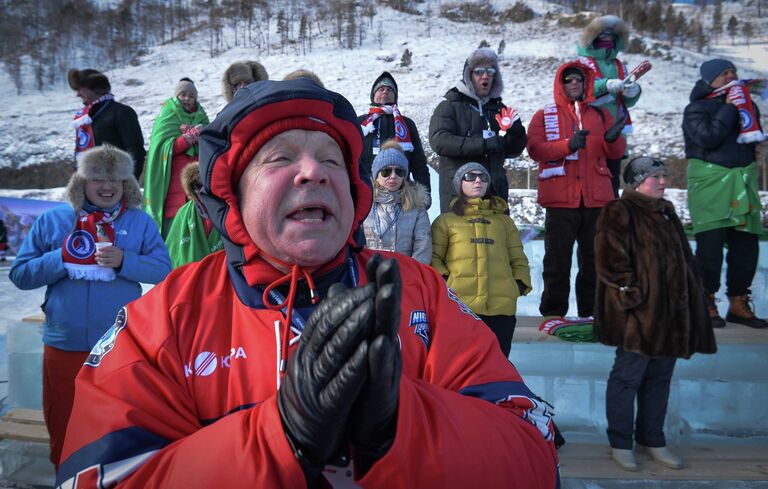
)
(720, 197)
(186, 239)
(157, 173)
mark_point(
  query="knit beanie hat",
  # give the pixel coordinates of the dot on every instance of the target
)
(463, 170)
(571, 70)
(391, 154)
(185, 85)
(384, 80)
(640, 168)
(710, 69)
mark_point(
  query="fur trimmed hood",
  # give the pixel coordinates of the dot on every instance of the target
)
(190, 179)
(482, 56)
(104, 163)
(598, 25)
(241, 72)
(88, 78)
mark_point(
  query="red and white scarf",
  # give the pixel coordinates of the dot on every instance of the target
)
(553, 132)
(79, 249)
(621, 70)
(737, 93)
(402, 135)
(82, 122)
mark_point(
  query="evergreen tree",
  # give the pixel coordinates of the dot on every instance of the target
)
(717, 19)
(502, 45)
(670, 23)
(700, 37)
(405, 60)
(684, 30)
(654, 22)
(747, 31)
(733, 28)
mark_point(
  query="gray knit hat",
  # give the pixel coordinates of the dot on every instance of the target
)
(391, 154)
(640, 168)
(710, 69)
(463, 170)
(185, 85)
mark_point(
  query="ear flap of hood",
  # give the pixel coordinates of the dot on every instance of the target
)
(225, 151)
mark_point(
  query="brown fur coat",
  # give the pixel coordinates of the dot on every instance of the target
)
(640, 245)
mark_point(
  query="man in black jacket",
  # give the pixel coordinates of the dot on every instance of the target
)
(384, 122)
(721, 129)
(472, 124)
(102, 120)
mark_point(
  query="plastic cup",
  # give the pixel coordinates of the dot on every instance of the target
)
(103, 244)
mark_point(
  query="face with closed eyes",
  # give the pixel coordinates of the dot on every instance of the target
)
(295, 198)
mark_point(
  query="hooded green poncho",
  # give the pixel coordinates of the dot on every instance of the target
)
(186, 239)
(157, 173)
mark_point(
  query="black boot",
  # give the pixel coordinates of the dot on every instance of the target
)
(714, 315)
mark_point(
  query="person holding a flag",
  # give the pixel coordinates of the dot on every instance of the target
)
(385, 122)
(614, 88)
(92, 255)
(473, 125)
(721, 127)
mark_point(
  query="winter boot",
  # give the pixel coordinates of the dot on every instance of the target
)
(740, 312)
(664, 456)
(714, 315)
(625, 459)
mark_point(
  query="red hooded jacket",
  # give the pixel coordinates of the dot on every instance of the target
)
(587, 180)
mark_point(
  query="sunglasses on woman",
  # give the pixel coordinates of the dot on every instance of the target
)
(386, 172)
(471, 177)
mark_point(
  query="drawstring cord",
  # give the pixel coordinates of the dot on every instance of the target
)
(292, 277)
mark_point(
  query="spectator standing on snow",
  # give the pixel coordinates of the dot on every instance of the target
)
(598, 47)
(477, 249)
(92, 256)
(173, 145)
(650, 305)
(103, 120)
(398, 220)
(571, 140)
(721, 127)
(384, 121)
(472, 124)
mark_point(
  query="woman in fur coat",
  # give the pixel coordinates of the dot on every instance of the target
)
(650, 305)
(398, 220)
(478, 250)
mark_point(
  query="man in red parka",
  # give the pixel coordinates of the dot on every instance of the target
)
(297, 358)
(571, 140)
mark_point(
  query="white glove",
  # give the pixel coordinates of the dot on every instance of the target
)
(631, 90)
(614, 86)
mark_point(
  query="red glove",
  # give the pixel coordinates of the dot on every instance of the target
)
(506, 117)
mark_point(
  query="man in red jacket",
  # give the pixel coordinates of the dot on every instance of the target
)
(571, 139)
(297, 358)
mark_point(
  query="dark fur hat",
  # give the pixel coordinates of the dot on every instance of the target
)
(104, 163)
(88, 78)
(241, 72)
(190, 179)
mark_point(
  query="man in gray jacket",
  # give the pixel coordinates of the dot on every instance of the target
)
(472, 124)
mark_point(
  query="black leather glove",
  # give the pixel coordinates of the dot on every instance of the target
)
(374, 419)
(613, 132)
(325, 376)
(578, 140)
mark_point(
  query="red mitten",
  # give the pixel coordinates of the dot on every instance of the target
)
(506, 117)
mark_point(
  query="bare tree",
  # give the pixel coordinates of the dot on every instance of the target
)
(379, 35)
(717, 19)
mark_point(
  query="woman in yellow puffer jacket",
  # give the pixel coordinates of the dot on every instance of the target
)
(476, 247)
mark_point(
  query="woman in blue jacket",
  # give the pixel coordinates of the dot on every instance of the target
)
(91, 255)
